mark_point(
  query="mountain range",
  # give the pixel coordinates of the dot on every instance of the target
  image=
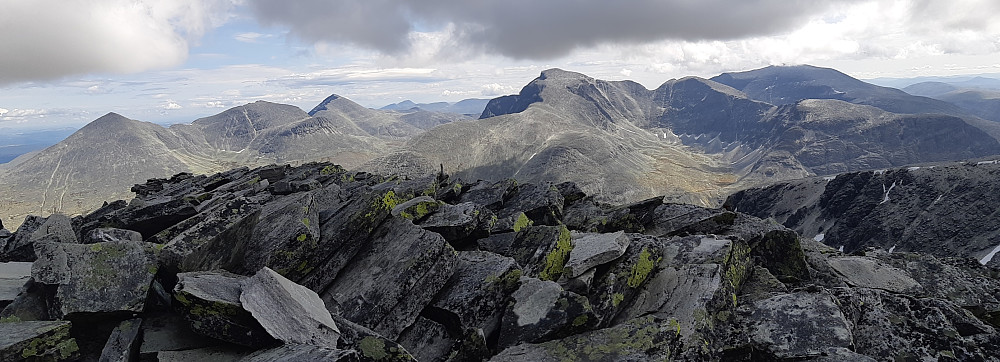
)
(690, 140)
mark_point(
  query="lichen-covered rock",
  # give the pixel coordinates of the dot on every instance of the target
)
(288, 312)
(541, 251)
(210, 301)
(417, 208)
(491, 195)
(475, 296)
(591, 250)
(799, 325)
(641, 339)
(302, 352)
(542, 203)
(39, 341)
(896, 326)
(460, 223)
(369, 344)
(287, 232)
(123, 345)
(780, 252)
(412, 265)
(105, 277)
(541, 310)
(428, 339)
(616, 288)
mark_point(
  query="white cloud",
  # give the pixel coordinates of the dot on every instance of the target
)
(171, 105)
(496, 89)
(50, 39)
(3, 111)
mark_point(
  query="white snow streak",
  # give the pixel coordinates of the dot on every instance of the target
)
(988, 257)
(885, 198)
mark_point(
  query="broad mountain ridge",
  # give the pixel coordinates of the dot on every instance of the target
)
(691, 140)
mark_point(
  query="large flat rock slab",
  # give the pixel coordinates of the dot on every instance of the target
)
(592, 249)
(869, 273)
(289, 312)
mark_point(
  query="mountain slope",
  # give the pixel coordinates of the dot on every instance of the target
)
(104, 159)
(691, 139)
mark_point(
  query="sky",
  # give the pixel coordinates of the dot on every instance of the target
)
(67, 62)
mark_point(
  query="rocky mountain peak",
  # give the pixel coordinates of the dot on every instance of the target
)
(334, 102)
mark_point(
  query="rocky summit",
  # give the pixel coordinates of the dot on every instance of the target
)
(314, 263)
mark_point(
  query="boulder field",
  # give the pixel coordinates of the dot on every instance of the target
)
(314, 263)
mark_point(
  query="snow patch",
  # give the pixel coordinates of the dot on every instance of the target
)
(893, 248)
(880, 172)
(987, 162)
(885, 198)
(829, 178)
(819, 237)
(913, 168)
(841, 249)
(988, 257)
(937, 199)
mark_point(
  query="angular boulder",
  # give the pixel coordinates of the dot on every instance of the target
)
(213, 240)
(110, 277)
(870, 273)
(392, 277)
(288, 312)
(541, 310)
(799, 325)
(592, 249)
(476, 294)
(458, 223)
(210, 301)
(123, 345)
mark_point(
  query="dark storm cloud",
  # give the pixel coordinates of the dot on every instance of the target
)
(534, 29)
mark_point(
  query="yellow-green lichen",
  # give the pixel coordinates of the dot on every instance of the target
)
(507, 281)
(305, 221)
(555, 261)
(10, 319)
(373, 348)
(580, 320)
(302, 237)
(642, 268)
(57, 346)
(331, 169)
(253, 181)
(522, 222)
(617, 299)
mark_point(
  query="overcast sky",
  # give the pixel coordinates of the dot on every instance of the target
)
(71, 61)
